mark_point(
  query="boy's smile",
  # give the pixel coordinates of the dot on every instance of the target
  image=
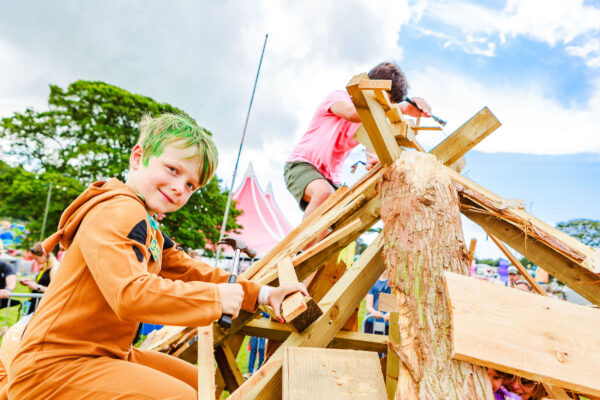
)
(168, 181)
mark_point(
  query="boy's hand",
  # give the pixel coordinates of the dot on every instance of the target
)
(232, 296)
(411, 110)
(372, 160)
(4, 293)
(279, 294)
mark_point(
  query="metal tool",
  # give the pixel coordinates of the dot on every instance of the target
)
(238, 246)
(412, 103)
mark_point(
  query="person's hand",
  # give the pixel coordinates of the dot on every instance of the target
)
(232, 296)
(29, 283)
(280, 293)
(4, 293)
(372, 160)
(411, 110)
(386, 317)
(378, 314)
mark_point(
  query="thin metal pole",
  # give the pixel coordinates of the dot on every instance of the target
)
(46, 212)
(226, 215)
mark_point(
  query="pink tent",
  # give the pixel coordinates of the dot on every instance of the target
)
(263, 222)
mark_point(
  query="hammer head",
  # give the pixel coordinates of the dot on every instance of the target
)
(239, 244)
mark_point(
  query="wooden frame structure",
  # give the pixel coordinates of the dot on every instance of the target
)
(351, 211)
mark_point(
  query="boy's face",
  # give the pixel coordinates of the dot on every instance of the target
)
(168, 181)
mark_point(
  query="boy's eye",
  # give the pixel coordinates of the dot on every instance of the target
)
(171, 169)
(190, 186)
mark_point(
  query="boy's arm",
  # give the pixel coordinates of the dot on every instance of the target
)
(346, 110)
(112, 239)
(177, 265)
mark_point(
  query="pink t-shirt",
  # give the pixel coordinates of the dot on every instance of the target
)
(329, 139)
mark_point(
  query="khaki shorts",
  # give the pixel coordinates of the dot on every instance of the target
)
(297, 175)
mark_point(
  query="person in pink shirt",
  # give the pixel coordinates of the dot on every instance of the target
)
(312, 169)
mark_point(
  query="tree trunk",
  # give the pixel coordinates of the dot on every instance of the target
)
(423, 237)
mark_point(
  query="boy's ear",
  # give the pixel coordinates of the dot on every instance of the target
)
(135, 159)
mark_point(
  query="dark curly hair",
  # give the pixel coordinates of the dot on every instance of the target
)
(389, 70)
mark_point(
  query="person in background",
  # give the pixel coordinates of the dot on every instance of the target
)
(49, 265)
(372, 305)
(513, 275)
(8, 281)
(256, 347)
(527, 389)
(523, 285)
(500, 392)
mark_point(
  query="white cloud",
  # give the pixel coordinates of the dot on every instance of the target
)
(531, 121)
(552, 22)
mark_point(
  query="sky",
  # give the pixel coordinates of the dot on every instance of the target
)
(534, 64)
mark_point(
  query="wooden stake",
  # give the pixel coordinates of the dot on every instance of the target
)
(206, 364)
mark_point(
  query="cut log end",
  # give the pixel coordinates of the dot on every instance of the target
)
(310, 315)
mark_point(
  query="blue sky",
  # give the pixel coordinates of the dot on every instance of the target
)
(538, 72)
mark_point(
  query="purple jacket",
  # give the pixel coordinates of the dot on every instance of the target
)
(503, 394)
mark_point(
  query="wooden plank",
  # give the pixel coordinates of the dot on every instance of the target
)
(466, 137)
(374, 84)
(569, 260)
(337, 305)
(263, 327)
(546, 340)
(472, 251)
(374, 120)
(387, 302)
(325, 374)
(392, 370)
(206, 364)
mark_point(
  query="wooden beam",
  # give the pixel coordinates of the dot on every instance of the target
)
(324, 374)
(569, 260)
(392, 370)
(375, 84)
(374, 120)
(388, 302)
(263, 327)
(472, 251)
(228, 366)
(337, 306)
(206, 364)
(550, 340)
(466, 137)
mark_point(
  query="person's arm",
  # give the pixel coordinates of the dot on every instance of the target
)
(113, 239)
(346, 110)
(411, 110)
(11, 283)
(369, 306)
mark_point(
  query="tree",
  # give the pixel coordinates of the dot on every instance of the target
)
(87, 134)
(587, 231)
(24, 196)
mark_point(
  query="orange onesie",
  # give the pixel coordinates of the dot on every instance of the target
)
(78, 343)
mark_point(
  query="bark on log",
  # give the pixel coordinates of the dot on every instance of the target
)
(423, 237)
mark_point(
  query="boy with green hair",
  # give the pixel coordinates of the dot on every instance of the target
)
(119, 269)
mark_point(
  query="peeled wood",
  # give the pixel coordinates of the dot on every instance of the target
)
(423, 235)
(533, 336)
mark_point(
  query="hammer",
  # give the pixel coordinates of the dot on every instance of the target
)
(238, 246)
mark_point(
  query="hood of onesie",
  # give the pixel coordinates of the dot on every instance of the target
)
(73, 215)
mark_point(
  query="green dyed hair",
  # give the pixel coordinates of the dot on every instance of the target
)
(170, 129)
